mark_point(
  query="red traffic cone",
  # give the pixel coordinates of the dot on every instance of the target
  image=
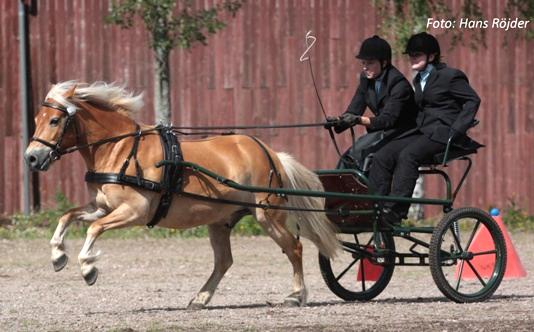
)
(367, 270)
(484, 264)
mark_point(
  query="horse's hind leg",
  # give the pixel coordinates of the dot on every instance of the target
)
(273, 222)
(220, 242)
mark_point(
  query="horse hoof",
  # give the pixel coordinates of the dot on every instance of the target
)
(196, 306)
(291, 302)
(91, 276)
(60, 262)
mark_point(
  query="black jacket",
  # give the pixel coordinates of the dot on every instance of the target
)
(447, 102)
(394, 108)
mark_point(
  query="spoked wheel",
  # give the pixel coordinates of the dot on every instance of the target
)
(354, 275)
(467, 255)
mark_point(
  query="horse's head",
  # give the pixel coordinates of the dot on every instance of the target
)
(55, 128)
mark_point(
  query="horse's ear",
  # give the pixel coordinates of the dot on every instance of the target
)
(70, 92)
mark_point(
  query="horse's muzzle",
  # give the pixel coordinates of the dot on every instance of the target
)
(38, 159)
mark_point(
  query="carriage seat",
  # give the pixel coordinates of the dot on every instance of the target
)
(453, 153)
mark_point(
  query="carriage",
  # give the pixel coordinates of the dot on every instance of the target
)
(462, 270)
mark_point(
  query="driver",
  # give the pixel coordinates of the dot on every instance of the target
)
(388, 95)
(447, 107)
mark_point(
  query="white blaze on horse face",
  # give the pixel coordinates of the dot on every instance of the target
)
(71, 109)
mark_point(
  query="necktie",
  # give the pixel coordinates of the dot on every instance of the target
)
(417, 82)
(424, 78)
(377, 88)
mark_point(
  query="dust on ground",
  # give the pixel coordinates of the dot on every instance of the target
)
(146, 284)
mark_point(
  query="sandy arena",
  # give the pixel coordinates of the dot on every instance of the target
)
(147, 284)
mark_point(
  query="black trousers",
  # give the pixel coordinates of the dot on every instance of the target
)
(394, 170)
(355, 156)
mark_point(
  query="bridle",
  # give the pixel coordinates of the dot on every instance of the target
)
(56, 151)
(70, 111)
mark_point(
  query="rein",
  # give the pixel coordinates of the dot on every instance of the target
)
(243, 127)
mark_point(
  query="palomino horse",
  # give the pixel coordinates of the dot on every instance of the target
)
(78, 116)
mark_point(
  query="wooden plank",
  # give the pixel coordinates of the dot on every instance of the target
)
(250, 73)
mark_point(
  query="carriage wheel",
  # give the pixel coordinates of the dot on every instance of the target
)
(465, 270)
(351, 275)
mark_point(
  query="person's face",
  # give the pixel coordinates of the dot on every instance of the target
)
(371, 68)
(418, 60)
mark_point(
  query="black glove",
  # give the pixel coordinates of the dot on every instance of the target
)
(350, 119)
(331, 121)
(454, 134)
(346, 120)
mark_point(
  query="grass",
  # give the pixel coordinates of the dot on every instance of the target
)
(42, 225)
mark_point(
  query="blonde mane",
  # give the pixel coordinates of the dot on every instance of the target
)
(109, 95)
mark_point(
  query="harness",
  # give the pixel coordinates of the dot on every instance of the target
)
(170, 183)
(56, 151)
(172, 180)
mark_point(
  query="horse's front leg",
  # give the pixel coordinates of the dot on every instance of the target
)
(82, 213)
(124, 215)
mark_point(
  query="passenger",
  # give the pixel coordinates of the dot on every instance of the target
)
(388, 95)
(447, 107)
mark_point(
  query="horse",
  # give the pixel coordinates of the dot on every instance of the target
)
(97, 121)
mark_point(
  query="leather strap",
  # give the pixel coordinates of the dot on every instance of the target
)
(127, 180)
(271, 163)
(171, 181)
(172, 174)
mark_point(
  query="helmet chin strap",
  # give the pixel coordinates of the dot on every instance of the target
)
(383, 64)
(426, 63)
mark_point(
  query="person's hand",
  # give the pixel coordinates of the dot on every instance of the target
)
(331, 121)
(454, 134)
(350, 119)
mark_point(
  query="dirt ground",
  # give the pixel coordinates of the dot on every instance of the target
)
(147, 284)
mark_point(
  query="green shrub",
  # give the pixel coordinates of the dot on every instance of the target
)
(517, 219)
(39, 224)
(42, 224)
(248, 226)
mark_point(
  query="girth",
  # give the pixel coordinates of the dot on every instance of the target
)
(170, 183)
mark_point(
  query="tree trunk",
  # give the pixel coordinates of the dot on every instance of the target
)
(162, 97)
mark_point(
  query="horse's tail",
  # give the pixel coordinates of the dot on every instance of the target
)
(314, 226)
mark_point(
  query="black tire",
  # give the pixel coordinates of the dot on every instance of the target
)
(348, 288)
(455, 259)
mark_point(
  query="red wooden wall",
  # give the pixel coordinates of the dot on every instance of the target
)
(250, 73)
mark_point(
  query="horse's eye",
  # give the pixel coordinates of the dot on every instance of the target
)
(54, 122)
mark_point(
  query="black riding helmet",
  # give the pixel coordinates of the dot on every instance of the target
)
(424, 43)
(375, 48)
